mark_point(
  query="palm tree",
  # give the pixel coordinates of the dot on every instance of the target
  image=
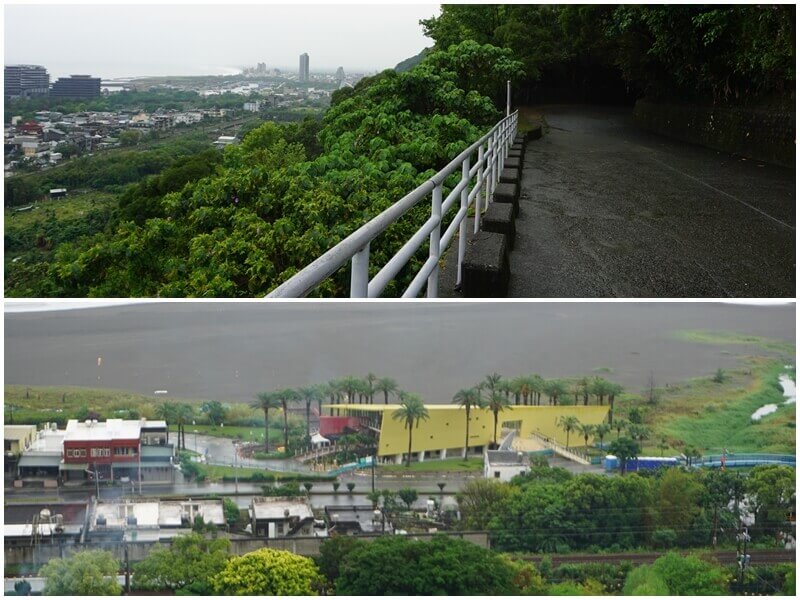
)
(584, 384)
(620, 425)
(601, 431)
(467, 398)
(497, 402)
(350, 386)
(387, 385)
(569, 424)
(491, 382)
(587, 431)
(166, 411)
(370, 380)
(613, 390)
(308, 395)
(599, 387)
(285, 396)
(638, 432)
(183, 414)
(518, 386)
(555, 388)
(411, 411)
(266, 401)
(536, 385)
(504, 386)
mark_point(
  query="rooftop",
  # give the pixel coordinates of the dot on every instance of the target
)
(17, 432)
(276, 508)
(504, 457)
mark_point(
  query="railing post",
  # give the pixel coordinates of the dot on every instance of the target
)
(462, 227)
(478, 195)
(508, 97)
(493, 175)
(359, 273)
(436, 234)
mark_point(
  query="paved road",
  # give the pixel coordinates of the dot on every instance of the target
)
(609, 210)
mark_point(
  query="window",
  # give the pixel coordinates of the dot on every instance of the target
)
(80, 452)
(497, 474)
(279, 528)
(69, 451)
(95, 452)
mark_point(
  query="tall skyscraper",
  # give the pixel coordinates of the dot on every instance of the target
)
(340, 75)
(304, 66)
(76, 86)
(25, 80)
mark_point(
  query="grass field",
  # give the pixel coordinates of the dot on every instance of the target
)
(730, 337)
(449, 465)
(715, 416)
(73, 206)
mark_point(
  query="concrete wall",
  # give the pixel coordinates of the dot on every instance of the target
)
(766, 135)
(306, 546)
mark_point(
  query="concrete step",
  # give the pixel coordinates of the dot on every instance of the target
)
(499, 218)
(486, 267)
(507, 193)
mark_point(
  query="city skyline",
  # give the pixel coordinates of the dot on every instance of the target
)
(377, 38)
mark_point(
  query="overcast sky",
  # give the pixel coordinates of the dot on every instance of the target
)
(114, 41)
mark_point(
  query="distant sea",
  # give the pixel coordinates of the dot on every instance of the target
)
(114, 71)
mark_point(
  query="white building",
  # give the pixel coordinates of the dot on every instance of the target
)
(503, 465)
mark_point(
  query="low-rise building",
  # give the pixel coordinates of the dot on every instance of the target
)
(151, 520)
(281, 517)
(355, 520)
(16, 439)
(504, 464)
(117, 449)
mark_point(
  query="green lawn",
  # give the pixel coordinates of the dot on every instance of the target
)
(725, 338)
(437, 466)
(715, 416)
(73, 206)
(217, 473)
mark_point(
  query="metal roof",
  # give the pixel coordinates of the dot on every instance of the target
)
(39, 460)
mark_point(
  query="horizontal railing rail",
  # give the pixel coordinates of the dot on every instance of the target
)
(480, 164)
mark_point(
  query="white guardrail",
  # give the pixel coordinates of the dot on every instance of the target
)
(482, 174)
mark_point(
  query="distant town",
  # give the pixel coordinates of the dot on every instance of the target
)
(46, 123)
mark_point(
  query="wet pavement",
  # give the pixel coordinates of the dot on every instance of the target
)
(607, 209)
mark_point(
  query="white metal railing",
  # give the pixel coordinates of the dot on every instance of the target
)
(481, 165)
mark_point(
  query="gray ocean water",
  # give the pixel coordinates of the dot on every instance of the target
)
(231, 351)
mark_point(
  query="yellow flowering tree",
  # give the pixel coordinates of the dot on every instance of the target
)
(268, 572)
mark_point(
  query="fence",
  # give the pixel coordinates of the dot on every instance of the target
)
(490, 152)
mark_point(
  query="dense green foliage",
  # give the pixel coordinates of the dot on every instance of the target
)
(689, 52)
(90, 573)
(551, 510)
(441, 566)
(677, 575)
(268, 210)
(187, 564)
(268, 572)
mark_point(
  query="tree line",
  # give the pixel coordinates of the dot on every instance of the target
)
(286, 194)
(552, 510)
(703, 53)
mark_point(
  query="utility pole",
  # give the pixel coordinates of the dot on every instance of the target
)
(235, 467)
(127, 572)
(374, 452)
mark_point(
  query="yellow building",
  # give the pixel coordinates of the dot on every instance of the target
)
(17, 438)
(443, 433)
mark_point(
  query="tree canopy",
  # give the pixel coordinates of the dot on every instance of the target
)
(268, 572)
(90, 573)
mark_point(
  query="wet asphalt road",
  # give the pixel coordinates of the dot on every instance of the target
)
(607, 209)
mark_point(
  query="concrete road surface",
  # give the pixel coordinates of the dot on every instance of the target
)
(607, 209)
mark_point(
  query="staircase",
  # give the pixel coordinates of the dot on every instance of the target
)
(562, 451)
